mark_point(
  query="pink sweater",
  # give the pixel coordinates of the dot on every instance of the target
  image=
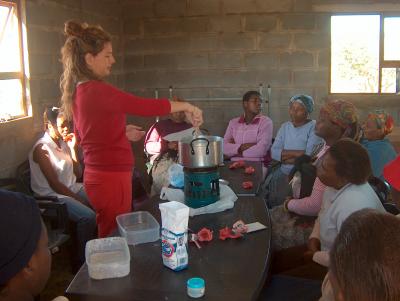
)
(310, 205)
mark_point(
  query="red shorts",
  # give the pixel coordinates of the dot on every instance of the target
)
(110, 194)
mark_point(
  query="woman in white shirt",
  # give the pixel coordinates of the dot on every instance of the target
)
(54, 169)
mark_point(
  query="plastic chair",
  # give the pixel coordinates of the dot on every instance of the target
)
(54, 211)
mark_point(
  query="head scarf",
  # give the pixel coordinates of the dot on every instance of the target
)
(341, 112)
(306, 100)
(383, 121)
(20, 228)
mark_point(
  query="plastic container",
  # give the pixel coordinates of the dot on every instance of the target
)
(107, 258)
(196, 287)
(138, 227)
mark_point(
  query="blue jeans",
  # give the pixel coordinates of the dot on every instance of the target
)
(84, 219)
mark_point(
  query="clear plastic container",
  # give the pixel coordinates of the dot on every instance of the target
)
(107, 258)
(138, 227)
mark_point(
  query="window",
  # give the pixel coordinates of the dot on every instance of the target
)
(365, 53)
(13, 70)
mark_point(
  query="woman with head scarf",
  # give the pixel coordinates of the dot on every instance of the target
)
(294, 139)
(337, 119)
(375, 128)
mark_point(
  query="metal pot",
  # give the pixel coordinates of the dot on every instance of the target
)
(201, 151)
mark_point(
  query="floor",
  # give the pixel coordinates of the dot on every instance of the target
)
(60, 277)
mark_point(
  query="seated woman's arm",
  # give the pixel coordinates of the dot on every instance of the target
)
(310, 205)
(278, 145)
(264, 138)
(289, 155)
(41, 156)
(231, 148)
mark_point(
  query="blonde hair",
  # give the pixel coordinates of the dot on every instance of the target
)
(81, 39)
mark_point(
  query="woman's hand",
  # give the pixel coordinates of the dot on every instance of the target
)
(134, 133)
(70, 139)
(314, 245)
(194, 115)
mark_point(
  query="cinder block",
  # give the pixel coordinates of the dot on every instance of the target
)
(324, 58)
(261, 60)
(199, 24)
(261, 22)
(203, 7)
(159, 26)
(236, 78)
(323, 22)
(138, 45)
(50, 89)
(41, 64)
(160, 61)
(170, 8)
(302, 6)
(238, 41)
(137, 9)
(204, 42)
(43, 42)
(49, 14)
(226, 60)
(296, 59)
(309, 78)
(231, 92)
(102, 7)
(141, 79)
(225, 24)
(256, 6)
(132, 27)
(133, 62)
(178, 43)
(312, 41)
(192, 60)
(274, 77)
(274, 40)
(298, 21)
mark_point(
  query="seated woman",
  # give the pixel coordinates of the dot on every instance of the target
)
(164, 152)
(294, 139)
(365, 259)
(249, 136)
(337, 119)
(344, 169)
(54, 169)
(380, 150)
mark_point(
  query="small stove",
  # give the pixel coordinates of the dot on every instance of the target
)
(201, 186)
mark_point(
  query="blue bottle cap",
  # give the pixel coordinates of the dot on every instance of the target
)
(195, 282)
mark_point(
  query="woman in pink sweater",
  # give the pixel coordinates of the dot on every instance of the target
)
(99, 111)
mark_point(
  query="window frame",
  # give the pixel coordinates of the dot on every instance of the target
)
(23, 74)
(382, 62)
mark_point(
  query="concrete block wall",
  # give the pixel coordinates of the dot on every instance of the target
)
(208, 49)
(222, 48)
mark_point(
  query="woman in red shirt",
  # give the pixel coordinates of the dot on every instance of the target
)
(99, 113)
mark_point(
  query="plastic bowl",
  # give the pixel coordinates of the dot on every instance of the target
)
(138, 227)
(107, 258)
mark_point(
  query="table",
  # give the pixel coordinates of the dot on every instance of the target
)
(232, 269)
(236, 177)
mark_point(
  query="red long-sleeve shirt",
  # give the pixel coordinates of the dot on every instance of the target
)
(99, 113)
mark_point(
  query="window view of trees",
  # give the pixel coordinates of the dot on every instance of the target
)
(355, 56)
